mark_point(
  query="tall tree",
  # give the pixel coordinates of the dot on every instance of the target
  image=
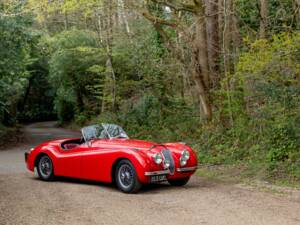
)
(226, 36)
(109, 13)
(213, 42)
(297, 12)
(196, 41)
(263, 18)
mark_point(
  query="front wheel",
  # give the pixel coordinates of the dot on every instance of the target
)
(179, 182)
(45, 168)
(126, 177)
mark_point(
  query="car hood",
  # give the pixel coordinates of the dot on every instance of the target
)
(124, 143)
(140, 145)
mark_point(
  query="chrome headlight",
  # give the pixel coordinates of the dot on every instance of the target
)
(185, 156)
(157, 157)
(167, 164)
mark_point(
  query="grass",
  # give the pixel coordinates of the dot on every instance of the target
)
(249, 176)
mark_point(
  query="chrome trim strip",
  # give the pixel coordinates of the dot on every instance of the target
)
(159, 172)
(187, 169)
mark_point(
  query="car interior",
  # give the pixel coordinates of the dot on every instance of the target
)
(88, 133)
(71, 144)
(91, 132)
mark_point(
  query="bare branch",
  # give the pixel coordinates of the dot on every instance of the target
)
(157, 20)
(178, 7)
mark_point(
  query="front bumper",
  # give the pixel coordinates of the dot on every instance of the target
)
(167, 172)
(156, 173)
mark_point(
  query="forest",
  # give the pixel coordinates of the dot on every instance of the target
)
(220, 75)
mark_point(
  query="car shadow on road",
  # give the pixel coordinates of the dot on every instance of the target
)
(196, 183)
(80, 182)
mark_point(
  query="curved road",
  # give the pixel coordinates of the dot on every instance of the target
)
(27, 200)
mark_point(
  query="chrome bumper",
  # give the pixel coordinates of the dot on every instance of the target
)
(166, 172)
(159, 172)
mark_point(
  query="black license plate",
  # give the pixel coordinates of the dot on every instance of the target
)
(158, 178)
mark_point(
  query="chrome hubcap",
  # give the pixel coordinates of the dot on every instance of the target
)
(125, 176)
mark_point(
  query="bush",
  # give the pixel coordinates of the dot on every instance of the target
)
(259, 120)
(65, 110)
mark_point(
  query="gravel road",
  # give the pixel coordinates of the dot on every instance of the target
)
(27, 200)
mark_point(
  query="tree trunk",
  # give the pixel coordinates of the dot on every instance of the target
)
(213, 45)
(123, 15)
(235, 36)
(203, 95)
(109, 42)
(66, 21)
(203, 55)
(22, 104)
(199, 66)
(99, 29)
(201, 71)
(297, 13)
(226, 35)
(263, 18)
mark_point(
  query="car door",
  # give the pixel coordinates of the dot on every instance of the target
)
(69, 162)
(95, 160)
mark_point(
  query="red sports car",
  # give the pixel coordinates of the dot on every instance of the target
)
(106, 154)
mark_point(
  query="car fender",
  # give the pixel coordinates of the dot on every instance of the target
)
(39, 150)
(139, 160)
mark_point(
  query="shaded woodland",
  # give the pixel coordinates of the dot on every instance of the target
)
(221, 75)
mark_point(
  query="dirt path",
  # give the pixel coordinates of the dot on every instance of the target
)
(26, 200)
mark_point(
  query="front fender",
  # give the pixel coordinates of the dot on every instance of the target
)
(36, 152)
(140, 161)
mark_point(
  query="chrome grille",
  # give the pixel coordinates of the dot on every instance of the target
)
(168, 156)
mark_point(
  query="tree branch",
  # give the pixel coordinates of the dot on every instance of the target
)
(157, 20)
(181, 7)
(175, 24)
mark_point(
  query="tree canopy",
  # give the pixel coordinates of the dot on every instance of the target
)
(222, 75)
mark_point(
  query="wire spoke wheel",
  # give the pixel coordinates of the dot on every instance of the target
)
(126, 175)
(45, 168)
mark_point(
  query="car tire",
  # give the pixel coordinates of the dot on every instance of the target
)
(126, 177)
(45, 168)
(179, 182)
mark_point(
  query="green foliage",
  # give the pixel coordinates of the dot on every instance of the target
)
(148, 119)
(74, 68)
(280, 17)
(65, 110)
(65, 71)
(261, 104)
(15, 47)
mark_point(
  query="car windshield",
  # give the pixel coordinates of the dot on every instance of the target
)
(103, 131)
(115, 131)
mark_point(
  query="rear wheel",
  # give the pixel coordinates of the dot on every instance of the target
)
(126, 177)
(179, 182)
(45, 168)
